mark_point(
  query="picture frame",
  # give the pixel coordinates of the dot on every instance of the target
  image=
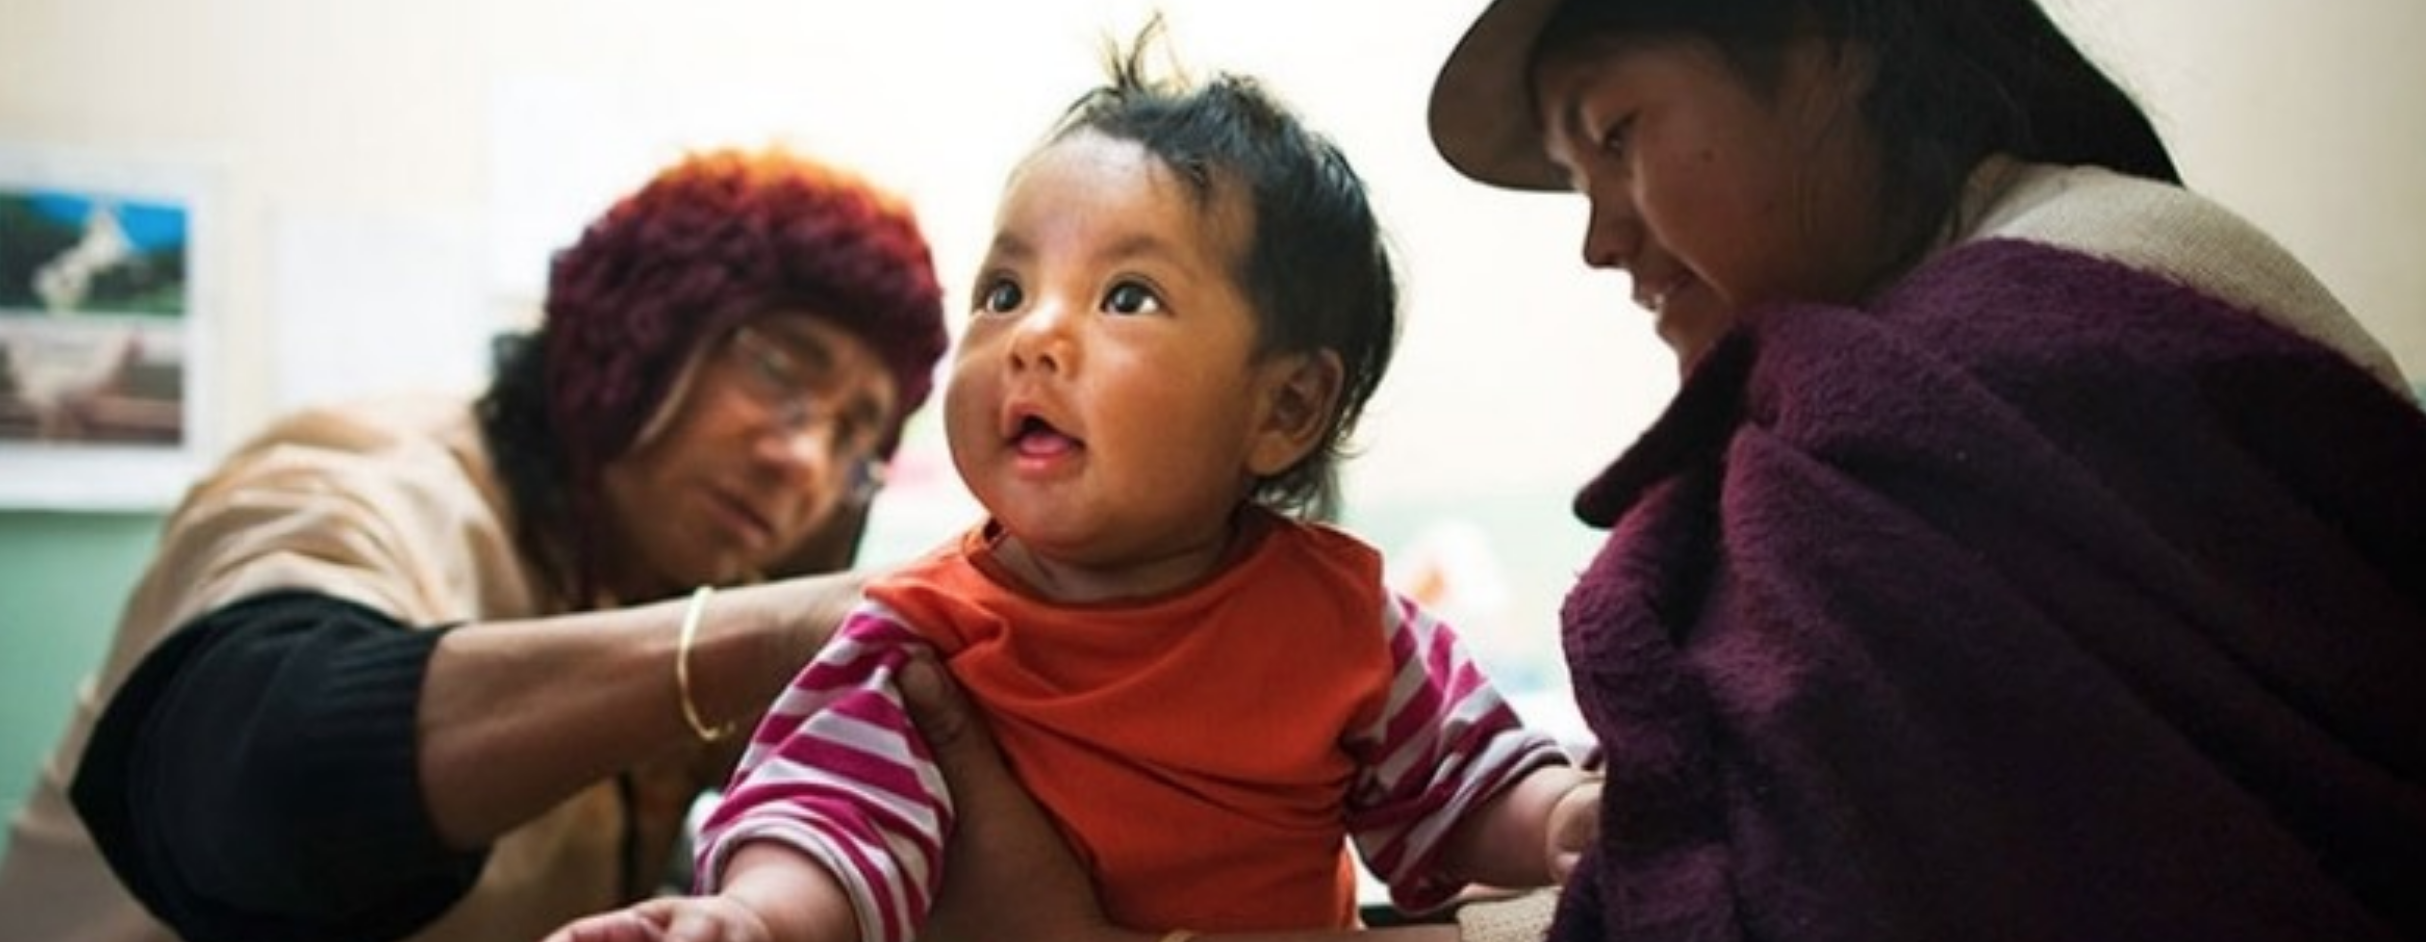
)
(107, 277)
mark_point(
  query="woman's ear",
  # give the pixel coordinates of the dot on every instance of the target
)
(1297, 394)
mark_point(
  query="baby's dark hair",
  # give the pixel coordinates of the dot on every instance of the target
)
(1316, 270)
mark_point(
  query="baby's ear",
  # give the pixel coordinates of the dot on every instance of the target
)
(1298, 393)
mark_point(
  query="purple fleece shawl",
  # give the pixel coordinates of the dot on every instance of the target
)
(2044, 600)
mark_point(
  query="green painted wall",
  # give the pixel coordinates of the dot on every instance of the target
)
(63, 577)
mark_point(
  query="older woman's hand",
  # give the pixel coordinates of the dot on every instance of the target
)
(1008, 877)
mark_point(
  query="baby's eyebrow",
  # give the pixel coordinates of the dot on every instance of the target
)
(1008, 246)
(1142, 245)
(1011, 248)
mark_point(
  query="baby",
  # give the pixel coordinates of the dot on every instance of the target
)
(1184, 308)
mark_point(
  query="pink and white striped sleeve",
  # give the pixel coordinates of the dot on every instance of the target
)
(838, 772)
(1446, 743)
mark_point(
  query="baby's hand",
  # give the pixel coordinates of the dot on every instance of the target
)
(670, 919)
(1574, 825)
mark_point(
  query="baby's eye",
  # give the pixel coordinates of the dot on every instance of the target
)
(1129, 297)
(998, 296)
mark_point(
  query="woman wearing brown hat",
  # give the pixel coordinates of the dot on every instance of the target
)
(453, 670)
(2033, 549)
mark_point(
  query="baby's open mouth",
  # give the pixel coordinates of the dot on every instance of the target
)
(1038, 437)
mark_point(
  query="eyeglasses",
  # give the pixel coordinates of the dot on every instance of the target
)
(789, 392)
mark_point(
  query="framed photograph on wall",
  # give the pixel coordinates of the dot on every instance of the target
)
(105, 276)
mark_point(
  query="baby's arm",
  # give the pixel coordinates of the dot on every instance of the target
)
(792, 896)
(836, 787)
(1453, 790)
(772, 893)
(1531, 833)
(834, 791)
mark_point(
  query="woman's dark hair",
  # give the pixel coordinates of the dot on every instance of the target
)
(1955, 81)
(707, 243)
(1317, 271)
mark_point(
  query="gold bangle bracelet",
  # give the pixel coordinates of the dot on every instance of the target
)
(682, 668)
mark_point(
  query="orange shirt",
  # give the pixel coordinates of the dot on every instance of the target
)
(1190, 746)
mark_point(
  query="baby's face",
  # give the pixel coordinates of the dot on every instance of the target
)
(1106, 405)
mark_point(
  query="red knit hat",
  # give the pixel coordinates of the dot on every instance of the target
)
(711, 241)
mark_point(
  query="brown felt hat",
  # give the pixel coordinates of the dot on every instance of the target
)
(1482, 104)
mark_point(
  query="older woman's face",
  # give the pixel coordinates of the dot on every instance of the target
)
(776, 423)
(1713, 196)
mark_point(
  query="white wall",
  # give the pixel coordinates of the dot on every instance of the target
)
(392, 174)
(2302, 116)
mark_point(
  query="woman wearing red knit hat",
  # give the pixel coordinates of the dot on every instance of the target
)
(455, 670)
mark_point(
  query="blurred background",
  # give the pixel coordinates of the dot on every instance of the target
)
(369, 190)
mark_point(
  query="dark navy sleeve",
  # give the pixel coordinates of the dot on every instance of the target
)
(255, 778)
